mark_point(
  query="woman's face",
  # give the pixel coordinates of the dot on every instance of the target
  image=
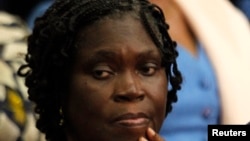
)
(117, 88)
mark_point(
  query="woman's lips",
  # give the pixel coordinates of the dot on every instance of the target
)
(131, 120)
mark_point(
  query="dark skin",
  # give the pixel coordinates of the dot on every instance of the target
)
(118, 86)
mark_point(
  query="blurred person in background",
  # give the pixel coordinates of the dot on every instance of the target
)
(17, 121)
(27, 10)
(244, 6)
(214, 47)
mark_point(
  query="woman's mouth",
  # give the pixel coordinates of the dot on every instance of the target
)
(131, 120)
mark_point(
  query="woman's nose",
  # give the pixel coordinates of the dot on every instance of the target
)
(129, 88)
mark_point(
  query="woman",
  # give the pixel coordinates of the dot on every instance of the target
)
(99, 70)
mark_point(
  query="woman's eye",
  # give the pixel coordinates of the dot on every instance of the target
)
(148, 69)
(102, 72)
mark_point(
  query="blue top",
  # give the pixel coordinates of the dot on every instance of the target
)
(198, 101)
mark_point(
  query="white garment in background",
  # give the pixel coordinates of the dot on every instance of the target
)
(225, 33)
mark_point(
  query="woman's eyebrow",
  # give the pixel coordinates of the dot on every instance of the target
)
(102, 55)
(150, 53)
(105, 54)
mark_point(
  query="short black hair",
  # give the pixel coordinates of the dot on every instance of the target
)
(51, 49)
